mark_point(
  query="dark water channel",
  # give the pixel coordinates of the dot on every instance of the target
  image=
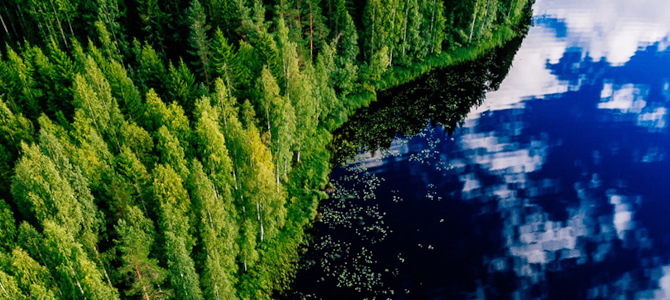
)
(538, 171)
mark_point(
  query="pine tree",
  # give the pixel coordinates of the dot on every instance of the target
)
(316, 30)
(135, 173)
(223, 14)
(139, 270)
(153, 21)
(109, 13)
(346, 43)
(18, 85)
(181, 86)
(157, 114)
(151, 72)
(246, 69)
(222, 57)
(198, 38)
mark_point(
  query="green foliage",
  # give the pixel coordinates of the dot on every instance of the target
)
(149, 178)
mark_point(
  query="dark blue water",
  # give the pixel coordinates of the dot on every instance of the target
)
(539, 171)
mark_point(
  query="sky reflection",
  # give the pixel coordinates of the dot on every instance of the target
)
(575, 57)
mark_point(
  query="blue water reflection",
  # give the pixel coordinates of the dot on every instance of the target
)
(554, 187)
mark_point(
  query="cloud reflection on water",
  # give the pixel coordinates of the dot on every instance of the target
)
(537, 243)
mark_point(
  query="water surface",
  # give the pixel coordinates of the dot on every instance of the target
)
(538, 171)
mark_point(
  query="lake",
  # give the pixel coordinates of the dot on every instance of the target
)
(536, 171)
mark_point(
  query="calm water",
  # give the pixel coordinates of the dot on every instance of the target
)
(555, 184)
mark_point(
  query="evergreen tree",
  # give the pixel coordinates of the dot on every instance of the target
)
(153, 21)
(223, 14)
(246, 69)
(346, 43)
(157, 114)
(139, 270)
(222, 57)
(198, 38)
(181, 86)
(109, 14)
(135, 174)
(151, 72)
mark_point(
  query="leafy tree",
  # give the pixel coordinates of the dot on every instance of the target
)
(9, 287)
(174, 207)
(305, 102)
(32, 278)
(217, 235)
(171, 153)
(94, 101)
(76, 274)
(280, 118)
(181, 268)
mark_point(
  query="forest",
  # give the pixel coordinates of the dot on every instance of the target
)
(179, 149)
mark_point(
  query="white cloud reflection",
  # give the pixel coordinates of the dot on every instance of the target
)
(610, 30)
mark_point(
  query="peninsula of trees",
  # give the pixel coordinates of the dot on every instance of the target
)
(178, 149)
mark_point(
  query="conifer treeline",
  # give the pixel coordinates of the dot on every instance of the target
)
(176, 149)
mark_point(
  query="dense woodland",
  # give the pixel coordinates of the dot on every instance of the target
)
(442, 98)
(178, 149)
